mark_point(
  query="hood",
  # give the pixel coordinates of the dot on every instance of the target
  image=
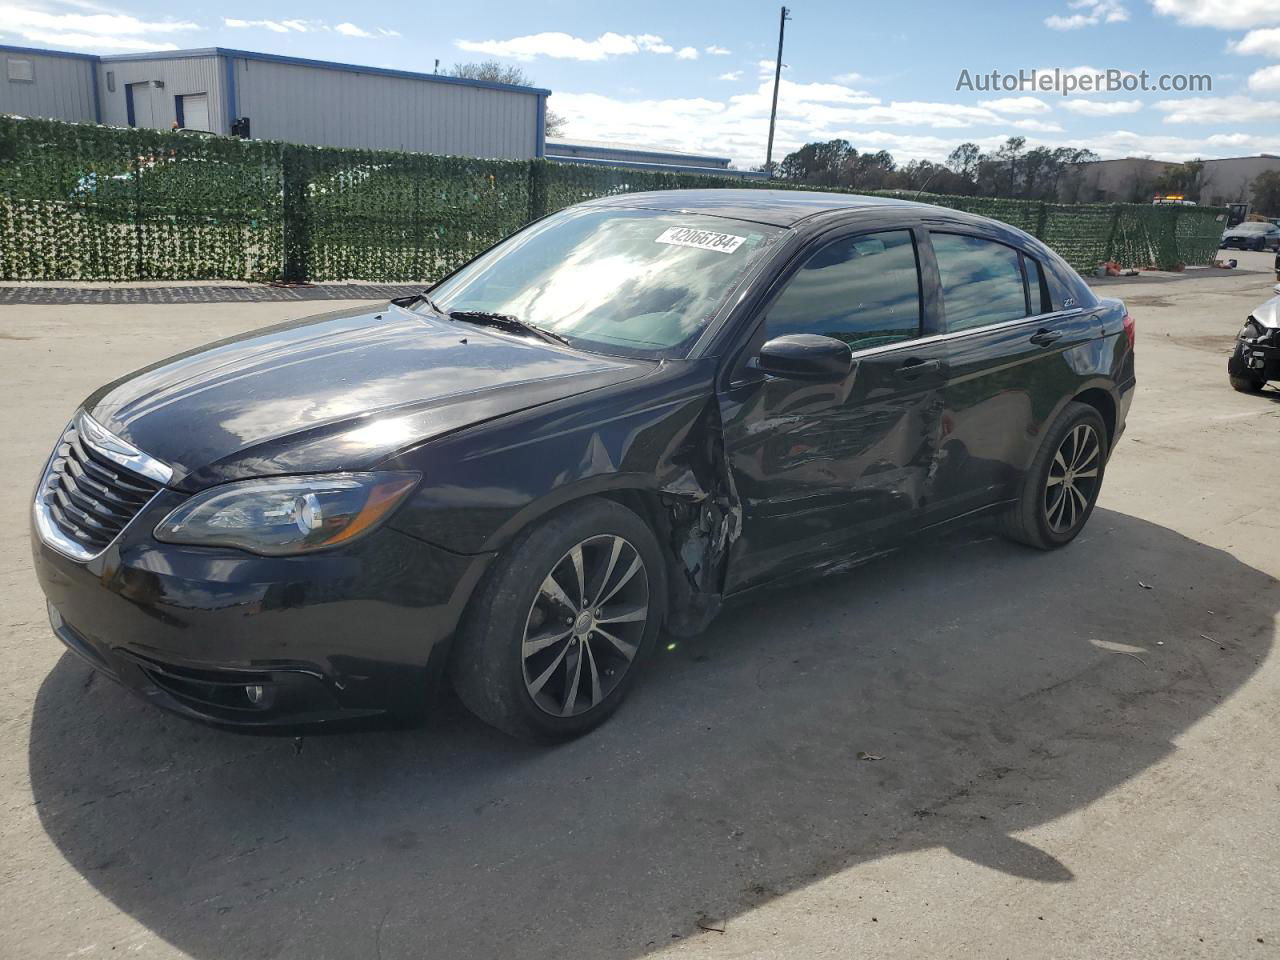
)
(1269, 313)
(339, 391)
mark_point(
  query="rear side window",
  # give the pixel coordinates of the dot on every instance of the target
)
(1037, 290)
(864, 290)
(981, 281)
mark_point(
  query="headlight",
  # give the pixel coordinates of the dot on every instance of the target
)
(287, 515)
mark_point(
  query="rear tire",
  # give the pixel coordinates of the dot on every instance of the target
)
(1061, 486)
(555, 636)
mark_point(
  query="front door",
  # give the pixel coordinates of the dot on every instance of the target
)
(822, 469)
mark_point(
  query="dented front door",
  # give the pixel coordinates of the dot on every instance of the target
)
(821, 470)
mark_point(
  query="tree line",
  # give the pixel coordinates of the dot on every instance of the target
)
(1010, 171)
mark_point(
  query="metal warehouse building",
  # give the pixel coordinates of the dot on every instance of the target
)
(281, 98)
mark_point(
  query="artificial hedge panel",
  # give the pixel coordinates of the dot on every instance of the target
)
(84, 202)
(104, 203)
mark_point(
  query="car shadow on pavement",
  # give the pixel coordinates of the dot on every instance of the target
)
(999, 687)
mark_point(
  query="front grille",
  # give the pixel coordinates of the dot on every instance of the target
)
(88, 496)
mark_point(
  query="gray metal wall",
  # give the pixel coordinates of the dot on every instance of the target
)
(343, 108)
(62, 88)
(181, 76)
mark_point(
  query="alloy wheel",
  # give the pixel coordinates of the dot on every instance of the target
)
(1073, 479)
(585, 625)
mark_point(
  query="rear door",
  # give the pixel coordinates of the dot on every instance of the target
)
(1008, 363)
(825, 468)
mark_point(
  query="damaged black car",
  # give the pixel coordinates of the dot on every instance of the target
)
(608, 425)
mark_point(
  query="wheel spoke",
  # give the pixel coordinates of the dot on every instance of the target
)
(1082, 501)
(541, 681)
(571, 685)
(1057, 459)
(614, 552)
(1093, 455)
(556, 592)
(627, 616)
(1056, 510)
(533, 644)
(624, 648)
(596, 693)
(622, 582)
(1087, 473)
(1054, 481)
(576, 556)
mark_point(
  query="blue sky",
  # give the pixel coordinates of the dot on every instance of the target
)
(697, 75)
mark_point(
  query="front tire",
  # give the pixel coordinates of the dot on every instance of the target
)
(1062, 484)
(1242, 377)
(555, 636)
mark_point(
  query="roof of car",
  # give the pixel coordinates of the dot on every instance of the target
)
(780, 208)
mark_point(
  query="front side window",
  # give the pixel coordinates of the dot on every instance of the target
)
(981, 281)
(864, 290)
(630, 282)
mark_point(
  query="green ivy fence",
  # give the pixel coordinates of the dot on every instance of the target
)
(84, 202)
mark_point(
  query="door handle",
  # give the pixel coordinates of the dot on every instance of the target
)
(1043, 338)
(913, 368)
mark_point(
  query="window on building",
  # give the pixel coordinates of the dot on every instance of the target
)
(21, 71)
(981, 281)
(864, 290)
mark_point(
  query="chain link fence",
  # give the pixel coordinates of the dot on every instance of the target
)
(83, 202)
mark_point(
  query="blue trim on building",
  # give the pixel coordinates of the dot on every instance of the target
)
(662, 167)
(540, 148)
(97, 93)
(6, 48)
(178, 113)
(233, 105)
(324, 65)
(128, 105)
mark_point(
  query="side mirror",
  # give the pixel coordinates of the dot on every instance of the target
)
(805, 356)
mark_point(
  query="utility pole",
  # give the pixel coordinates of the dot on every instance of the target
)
(777, 78)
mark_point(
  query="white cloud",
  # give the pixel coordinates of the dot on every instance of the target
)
(307, 26)
(67, 25)
(1220, 110)
(731, 75)
(1016, 105)
(1101, 108)
(1223, 14)
(565, 46)
(1036, 126)
(351, 30)
(275, 26)
(1263, 43)
(715, 51)
(1267, 80)
(736, 126)
(845, 78)
(1091, 13)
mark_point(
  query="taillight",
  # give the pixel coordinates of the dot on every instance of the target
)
(1129, 330)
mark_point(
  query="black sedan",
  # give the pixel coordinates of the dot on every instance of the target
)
(1252, 235)
(610, 424)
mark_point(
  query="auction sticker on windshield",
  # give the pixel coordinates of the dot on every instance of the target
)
(701, 239)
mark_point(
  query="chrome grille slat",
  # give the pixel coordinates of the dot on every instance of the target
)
(89, 492)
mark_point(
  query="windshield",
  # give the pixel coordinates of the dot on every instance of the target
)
(634, 282)
(1252, 228)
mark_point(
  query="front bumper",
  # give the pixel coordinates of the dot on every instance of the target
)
(333, 638)
(1251, 357)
